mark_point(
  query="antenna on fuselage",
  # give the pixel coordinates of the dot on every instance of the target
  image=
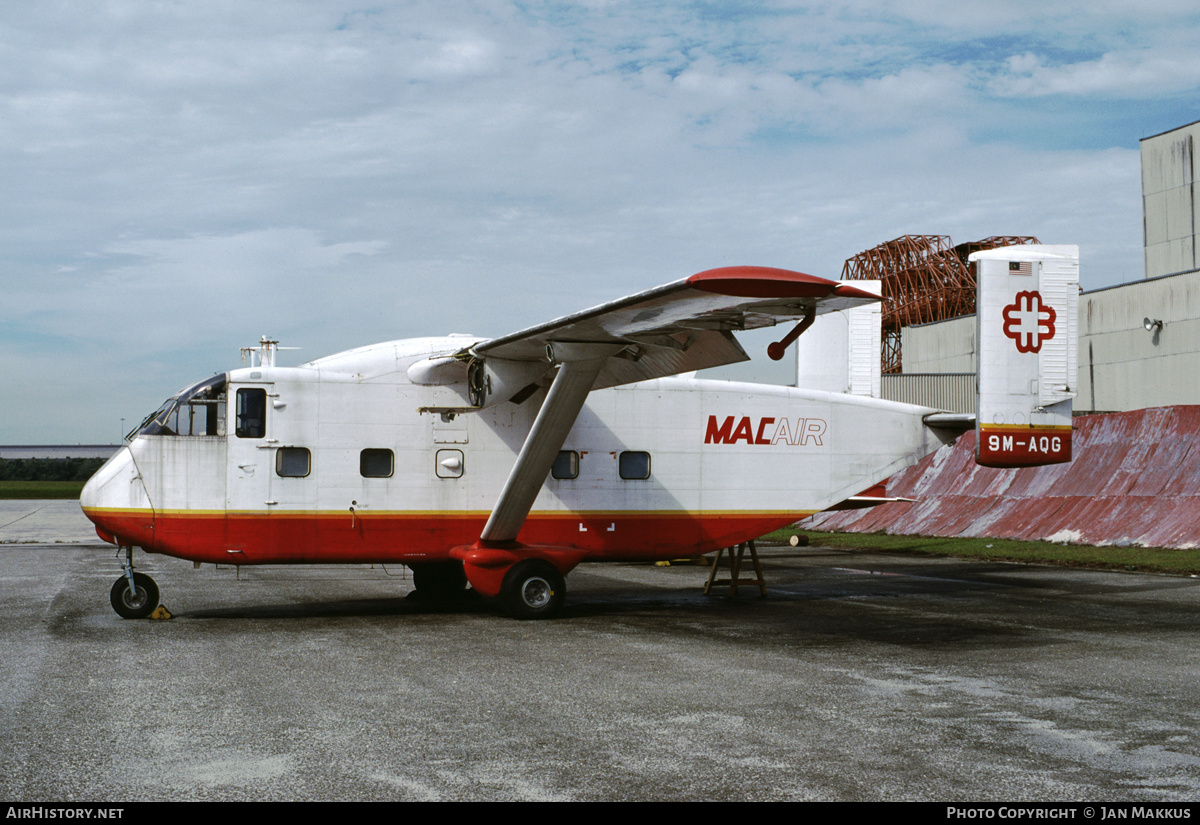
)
(263, 355)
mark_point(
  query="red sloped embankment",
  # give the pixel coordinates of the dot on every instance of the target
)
(1135, 479)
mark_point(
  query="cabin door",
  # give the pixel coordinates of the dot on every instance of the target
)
(251, 451)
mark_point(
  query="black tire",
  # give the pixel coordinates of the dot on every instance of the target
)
(137, 604)
(439, 580)
(532, 589)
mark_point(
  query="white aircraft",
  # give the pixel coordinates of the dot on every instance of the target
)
(504, 463)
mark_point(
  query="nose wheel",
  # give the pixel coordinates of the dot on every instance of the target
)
(135, 602)
(133, 595)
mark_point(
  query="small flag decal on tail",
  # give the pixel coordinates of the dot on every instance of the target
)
(1020, 268)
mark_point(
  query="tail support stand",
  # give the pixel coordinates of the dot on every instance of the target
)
(735, 566)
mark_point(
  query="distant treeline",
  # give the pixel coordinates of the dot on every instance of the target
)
(48, 469)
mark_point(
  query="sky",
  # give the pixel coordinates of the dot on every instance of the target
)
(180, 178)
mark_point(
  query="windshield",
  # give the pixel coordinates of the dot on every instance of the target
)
(196, 410)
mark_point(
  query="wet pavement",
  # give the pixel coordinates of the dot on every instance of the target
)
(859, 677)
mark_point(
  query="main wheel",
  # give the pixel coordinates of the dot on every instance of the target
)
(137, 603)
(439, 580)
(532, 589)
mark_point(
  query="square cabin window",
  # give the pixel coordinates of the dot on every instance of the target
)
(293, 462)
(376, 463)
(566, 465)
(634, 465)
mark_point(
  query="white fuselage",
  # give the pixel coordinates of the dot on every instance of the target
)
(706, 464)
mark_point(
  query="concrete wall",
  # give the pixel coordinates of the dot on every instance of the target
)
(1124, 367)
(943, 346)
(1170, 201)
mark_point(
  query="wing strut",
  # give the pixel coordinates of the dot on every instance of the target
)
(577, 371)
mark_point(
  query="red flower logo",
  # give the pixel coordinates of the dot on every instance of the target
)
(1028, 321)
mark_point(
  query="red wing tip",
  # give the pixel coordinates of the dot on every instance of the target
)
(752, 272)
(761, 282)
(844, 290)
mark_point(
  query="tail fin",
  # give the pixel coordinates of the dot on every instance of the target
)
(841, 351)
(1028, 342)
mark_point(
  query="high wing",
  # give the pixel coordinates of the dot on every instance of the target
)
(682, 326)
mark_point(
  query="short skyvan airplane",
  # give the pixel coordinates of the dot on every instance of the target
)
(504, 463)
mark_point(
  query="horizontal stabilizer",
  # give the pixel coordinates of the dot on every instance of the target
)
(860, 502)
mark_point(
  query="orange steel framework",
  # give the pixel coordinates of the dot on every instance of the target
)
(925, 278)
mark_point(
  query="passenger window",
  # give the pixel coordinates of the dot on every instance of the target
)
(293, 462)
(634, 465)
(376, 463)
(566, 465)
(251, 413)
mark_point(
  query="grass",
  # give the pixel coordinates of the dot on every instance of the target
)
(1147, 559)
(40, 489)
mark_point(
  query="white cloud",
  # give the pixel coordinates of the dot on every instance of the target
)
(180, 179)
(1140, 74)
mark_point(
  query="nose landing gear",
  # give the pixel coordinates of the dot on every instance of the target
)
(133, 595)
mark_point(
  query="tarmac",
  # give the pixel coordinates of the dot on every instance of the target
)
(858, 677)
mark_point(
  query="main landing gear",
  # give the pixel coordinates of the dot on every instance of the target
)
(439, 580)
(133, 595)
(532, 589)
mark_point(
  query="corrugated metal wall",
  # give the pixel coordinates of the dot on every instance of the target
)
(952, 392)
(1134, 479)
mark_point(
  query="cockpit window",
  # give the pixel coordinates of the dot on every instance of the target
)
(251, 413)
(196, 410)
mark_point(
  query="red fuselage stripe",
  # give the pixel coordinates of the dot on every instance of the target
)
(284, 538)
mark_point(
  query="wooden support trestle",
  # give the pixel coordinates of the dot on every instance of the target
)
(736, 554)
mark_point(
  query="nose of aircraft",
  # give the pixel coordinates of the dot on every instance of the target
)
(116, 501)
